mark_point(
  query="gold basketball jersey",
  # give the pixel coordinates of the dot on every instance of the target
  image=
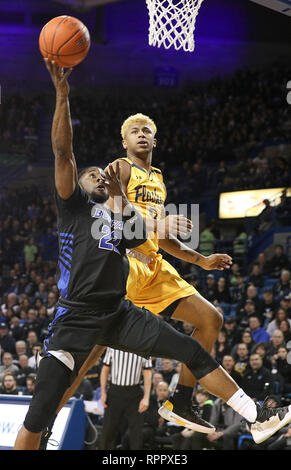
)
(146, 191)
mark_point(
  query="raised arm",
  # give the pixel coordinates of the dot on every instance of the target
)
(66, 176)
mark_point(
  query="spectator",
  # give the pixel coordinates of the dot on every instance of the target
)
(284, 368)
(93, 374)
(256, 277)
(32, 340)
(278, 262)
(33, 323)
(259, 335)
(7, 366)
(21, 348)
(7, 342)
(228, 364)
(222, 293)
(23, 371)
(238, 291)
(242, 359)
(261, 349)
(285, 303)
(269, 307)
(286, 330)
(157, 377)
(247, 339)
(207, 240)
(30, 384)
(33, 359)
(252, 294)
(9, 386)
(187, 329)
(16, 329)
(244, 315)
(280, 315)
(11, 302)
(257, 381)
(51, 304)
(234, 272)
(168, 370)
(209, 291)
(232, 331)
(277, 340)
(30, 251)
(221, 346)
(282, 287)
(42, 293)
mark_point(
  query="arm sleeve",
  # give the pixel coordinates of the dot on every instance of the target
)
(147, 364)
(107, 358)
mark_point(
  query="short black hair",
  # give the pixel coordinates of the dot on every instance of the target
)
(85, 170)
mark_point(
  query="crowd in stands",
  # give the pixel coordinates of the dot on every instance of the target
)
(219, 129)
(19, 125)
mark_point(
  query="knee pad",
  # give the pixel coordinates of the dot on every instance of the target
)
(200, 362)
(53, 379)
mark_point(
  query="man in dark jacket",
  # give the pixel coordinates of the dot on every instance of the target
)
(7, 342)
(257, 380)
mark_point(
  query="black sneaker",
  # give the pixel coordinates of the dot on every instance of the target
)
(188, 417)
(269, 421)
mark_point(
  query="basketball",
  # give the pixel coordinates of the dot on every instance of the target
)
(66, 40)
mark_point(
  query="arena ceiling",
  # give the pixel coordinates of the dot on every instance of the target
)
(86, 3)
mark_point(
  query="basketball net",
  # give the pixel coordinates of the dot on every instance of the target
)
(172, 23)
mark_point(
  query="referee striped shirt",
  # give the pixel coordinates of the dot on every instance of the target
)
(126, 367)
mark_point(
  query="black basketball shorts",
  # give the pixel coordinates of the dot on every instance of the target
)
(73, 332)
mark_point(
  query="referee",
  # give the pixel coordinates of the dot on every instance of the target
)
(125, 397)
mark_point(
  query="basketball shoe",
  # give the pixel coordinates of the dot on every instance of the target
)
(187, 417)
(269, 421)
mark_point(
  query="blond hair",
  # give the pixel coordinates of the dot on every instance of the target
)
(137, 118)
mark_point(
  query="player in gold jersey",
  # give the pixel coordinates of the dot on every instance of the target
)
(153, 283)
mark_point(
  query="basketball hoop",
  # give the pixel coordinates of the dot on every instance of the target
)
(172, 23)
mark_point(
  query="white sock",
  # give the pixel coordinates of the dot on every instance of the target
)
(244, 405)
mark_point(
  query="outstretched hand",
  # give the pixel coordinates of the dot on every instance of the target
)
(216, 261)
(59, 77)
(113, 182)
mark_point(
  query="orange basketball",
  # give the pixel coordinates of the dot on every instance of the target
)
(66, 40)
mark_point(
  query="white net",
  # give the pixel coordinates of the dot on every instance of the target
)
(172, 23)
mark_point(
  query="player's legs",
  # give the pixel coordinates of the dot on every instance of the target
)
(53, 378)
(207, 322)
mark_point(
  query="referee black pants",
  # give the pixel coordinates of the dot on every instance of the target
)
(123, 403)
